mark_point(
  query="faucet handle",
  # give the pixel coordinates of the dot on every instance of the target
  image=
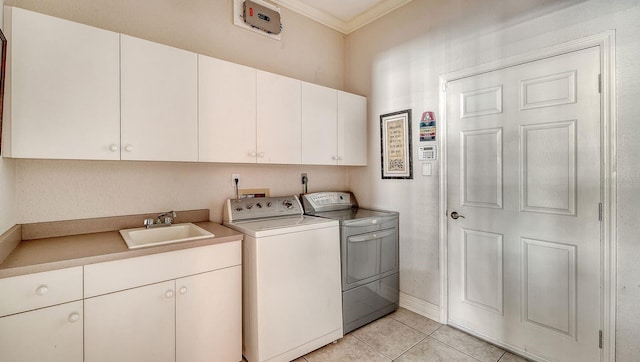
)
(148, 222)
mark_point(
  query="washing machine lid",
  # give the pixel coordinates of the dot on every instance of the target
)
(280, 225)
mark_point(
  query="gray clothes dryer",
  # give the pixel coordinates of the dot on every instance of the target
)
(369, 256)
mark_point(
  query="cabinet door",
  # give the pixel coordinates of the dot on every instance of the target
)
(209, 316)
(52, 334)
(319, 125)
(352, 129)
(159, 102)
(226, 111)
(131, 326)
(63, 89)
(278, 119)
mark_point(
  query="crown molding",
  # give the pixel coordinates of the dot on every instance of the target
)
(331, 21)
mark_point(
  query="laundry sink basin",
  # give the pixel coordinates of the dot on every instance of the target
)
(177, 233)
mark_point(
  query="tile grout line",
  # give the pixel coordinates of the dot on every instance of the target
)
(463, 352)
(403, 352)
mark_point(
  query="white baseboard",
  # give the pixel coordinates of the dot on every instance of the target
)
(420, 306)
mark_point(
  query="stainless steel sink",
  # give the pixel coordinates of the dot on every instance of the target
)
(142, 237)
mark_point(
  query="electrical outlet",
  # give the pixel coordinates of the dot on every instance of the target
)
(234, 177)
(303, 178)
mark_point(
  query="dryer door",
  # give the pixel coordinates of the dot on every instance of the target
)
(368, 257)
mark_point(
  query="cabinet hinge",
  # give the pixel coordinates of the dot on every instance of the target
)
(600, 212)
(599, 83)
(600, 340)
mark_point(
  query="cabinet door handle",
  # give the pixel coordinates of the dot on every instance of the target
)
(74, 317)
(169, 293)
(128, 148)
(113, 148)
(183, 290)
(42, 290)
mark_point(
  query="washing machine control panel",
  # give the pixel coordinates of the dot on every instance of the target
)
(261, 207)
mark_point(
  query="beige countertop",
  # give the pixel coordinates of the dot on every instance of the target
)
(89, 243)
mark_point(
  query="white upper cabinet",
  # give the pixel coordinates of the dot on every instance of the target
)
(227, 111)
(159, 86)
(63, 89)
(319, 125)
(78, 92)
(279, 126)
(334, 127)
(352, 129)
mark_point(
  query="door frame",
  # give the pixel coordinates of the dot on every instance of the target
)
(608, 185)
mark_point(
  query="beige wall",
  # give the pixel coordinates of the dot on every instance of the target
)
(8, 213)
(62, 190)
(308, 51)
(396, 62)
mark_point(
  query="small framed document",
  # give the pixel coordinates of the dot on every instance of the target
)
(395, 142)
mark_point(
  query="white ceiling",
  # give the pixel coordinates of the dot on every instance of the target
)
(342, 15)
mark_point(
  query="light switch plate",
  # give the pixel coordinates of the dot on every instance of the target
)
(427, 169)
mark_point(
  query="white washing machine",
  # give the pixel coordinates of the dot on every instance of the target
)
(292, 298)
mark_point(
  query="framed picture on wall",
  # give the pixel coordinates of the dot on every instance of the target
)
(395, 142)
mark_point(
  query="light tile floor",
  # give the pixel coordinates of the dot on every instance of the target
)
(405, 336)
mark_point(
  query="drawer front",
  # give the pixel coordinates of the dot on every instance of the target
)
(112, 276)
(32, 291)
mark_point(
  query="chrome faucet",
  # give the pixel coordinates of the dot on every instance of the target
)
(164, 219)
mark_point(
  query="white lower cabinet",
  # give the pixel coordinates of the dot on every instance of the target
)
(208, 316)
(183, 306)
(132, 325)
(52, 334)
(190, 319)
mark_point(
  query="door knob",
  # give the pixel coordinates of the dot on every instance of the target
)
(455, 215)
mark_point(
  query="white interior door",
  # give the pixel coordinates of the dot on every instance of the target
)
(524, 262)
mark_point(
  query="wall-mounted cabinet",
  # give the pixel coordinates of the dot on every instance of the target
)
(78, 92)
(159, 92)
(227, 111)
(334, 127)
(319, 125)
(278, 130)
(352, 129)
(63, 89)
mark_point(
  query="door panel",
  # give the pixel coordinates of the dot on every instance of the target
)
(548, 160)
(481, 171)
(483, 281)
(549, 270)
(523, 161)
